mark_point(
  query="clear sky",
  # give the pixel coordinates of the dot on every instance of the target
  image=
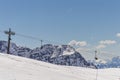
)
(86, 21)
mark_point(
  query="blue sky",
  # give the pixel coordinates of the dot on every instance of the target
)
(62, 21)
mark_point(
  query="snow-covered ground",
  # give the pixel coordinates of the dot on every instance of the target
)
(18, 68)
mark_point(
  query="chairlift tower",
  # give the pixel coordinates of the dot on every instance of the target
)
(9, 33)
(96, 58)
(41, 42)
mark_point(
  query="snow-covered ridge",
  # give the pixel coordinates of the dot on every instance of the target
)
(19, 68)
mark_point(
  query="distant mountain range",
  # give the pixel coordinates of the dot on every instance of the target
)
(58, 54)
(113, 63)
(55, 54)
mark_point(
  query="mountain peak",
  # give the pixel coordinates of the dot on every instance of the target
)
(55, 54)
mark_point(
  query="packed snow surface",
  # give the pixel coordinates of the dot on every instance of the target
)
(18, 68)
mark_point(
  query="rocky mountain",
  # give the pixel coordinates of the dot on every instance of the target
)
(55, 54)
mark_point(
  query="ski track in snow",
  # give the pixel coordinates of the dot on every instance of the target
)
(19, 68)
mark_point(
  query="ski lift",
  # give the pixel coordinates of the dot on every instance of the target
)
(96, 58)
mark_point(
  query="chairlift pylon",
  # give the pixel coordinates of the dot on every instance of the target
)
(96, 58)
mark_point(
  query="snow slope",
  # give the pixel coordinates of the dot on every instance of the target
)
(19, 68)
